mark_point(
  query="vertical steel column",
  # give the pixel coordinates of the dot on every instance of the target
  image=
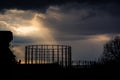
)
(69, 56)
(39, 54)
(47, 54)
(58, 54)
(44, 55)
(66, 56)
(32, 54)
(62, 55)
(29, 55)
(52, 54)
(36, 51)
(26, 55)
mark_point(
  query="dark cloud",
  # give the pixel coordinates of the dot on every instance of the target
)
(84, 19)
(42, 5)
(71, 18)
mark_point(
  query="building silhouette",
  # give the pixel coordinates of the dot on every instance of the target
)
(6, 55)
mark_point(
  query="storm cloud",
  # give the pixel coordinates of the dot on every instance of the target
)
(83, 20)
(79, 23)
(42, 5)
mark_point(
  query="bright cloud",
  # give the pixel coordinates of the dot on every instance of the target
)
(25, 23)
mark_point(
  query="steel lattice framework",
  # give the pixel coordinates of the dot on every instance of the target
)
(48, 54)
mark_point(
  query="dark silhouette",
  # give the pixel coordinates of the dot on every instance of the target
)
(112, 51)
(48, 54)
(19, 62)
(6, 55)
(57, 55)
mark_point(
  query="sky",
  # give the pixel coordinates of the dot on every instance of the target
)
(85, 25)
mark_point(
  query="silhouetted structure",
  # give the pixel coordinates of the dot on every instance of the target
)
(6, 55)
(83, 64)
(48, 54)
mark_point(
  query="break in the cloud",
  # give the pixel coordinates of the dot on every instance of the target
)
(80, 24)
(25, 24)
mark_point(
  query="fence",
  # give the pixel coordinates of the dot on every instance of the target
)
(83, 63)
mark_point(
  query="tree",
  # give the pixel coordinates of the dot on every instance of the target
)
(111, 51)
